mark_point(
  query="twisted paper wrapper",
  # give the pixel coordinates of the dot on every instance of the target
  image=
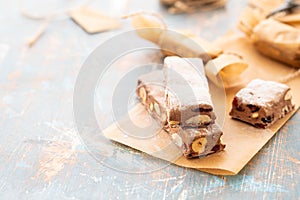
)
(222, 68)
(277, 37)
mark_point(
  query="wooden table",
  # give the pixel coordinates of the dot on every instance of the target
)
(42, 155)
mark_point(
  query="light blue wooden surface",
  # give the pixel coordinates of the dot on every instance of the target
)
(42, 156)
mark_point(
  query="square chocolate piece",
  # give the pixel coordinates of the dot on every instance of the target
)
(261, 103)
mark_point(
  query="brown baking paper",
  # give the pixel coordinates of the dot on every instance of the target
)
(93, 21)
(227, 66)
(277, 36)
(189, 6)
(242, 141)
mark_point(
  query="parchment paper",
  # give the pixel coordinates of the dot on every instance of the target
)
(93, 21)
(242, 140)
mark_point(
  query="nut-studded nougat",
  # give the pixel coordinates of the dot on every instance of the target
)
(151, 92)
(261, 103)
(187, 94)
(194, 131)
(197, 142)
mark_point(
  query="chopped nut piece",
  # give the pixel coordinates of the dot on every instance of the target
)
(198, 145)
(143, 94)
(199, 119)
(288, 96)
(173, 123)
(255, 115)
(151, 107)
(157, 109)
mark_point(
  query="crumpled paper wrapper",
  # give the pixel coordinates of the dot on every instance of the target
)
(242, 141)
(225, 70)
(276, 37)
(189, 6)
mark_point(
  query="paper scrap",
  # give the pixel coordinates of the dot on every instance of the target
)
(93, 21)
